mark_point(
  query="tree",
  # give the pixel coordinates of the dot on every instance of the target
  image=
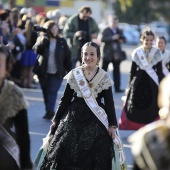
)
(137, 11)
(12, 3)
(29, 3)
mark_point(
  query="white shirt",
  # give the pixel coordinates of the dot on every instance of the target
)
(51, 67)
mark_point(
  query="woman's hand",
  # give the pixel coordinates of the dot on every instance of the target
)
(53, 128)
(112, 132)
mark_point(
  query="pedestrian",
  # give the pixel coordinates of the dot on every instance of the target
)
(20, 41)
(61, 23)
(5, 30)
(86, 110)
(146, 72)
(161, 44)
(150, 144)
(79, 29)
(28, 57)
(53, 61)
(56, 15)
(112, 37)
(14, 131)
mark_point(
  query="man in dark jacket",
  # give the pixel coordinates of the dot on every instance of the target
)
(79, 29)
(111, 38)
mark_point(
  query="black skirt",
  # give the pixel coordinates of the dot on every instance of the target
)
(81, 142)
(141, 103)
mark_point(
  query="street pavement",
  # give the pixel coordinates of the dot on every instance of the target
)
(39, 127)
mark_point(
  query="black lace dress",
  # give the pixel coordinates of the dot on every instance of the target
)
(141, 104)
(81, 141)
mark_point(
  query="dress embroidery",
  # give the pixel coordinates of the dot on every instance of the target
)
(151, 60)
(101, 81)
(166, 57)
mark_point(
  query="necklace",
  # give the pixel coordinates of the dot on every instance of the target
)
(88, 72)
(92, 72)
(90, 81)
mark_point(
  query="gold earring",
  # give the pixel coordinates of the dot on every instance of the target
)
(163, 112)
(98, 62)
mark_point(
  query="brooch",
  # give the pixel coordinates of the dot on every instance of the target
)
(90, 85)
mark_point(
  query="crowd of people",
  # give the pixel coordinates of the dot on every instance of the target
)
(49, 45)
(84, 127)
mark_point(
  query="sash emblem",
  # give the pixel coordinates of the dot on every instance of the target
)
(81, 82)
(77, 72)
(142, 58)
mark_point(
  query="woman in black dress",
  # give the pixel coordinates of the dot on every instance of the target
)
(146, 72)
(81, 141)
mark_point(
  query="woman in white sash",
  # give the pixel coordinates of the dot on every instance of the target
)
(161, 44)
(81, 141)
(15, 143)
(146, 72)
(153, 140)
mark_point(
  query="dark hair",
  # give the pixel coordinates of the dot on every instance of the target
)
(9, 58)
(85, 8)
(29, 25)
(163, 38)
(48, 25)
(4, 14)
(93, 45)
(145, 34)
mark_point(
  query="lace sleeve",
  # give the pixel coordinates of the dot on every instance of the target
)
(104, 84)
(156, 58)
(71, 81)
(102, 81)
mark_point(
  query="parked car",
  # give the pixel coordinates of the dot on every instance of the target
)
(131, 33)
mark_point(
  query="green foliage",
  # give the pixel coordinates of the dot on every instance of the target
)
(137, 11)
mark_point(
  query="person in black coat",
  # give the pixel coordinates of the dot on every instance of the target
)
(20, 41)
(111, 38)
(54, 60)
(14, 130)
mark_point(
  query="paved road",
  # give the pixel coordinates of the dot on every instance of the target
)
(39, 127)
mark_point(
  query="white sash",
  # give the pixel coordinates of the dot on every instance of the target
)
(89, 97)
(149, 70)
(165, 70)
(96, 109)
(9, 144)
(165, 58)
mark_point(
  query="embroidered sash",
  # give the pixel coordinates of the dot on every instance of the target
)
(97, 110)
(89, 97)
(149, 70)
(9, 144)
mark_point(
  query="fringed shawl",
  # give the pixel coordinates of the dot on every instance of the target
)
(101, 81)
(11, 101)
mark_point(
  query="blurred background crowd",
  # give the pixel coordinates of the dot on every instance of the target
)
(31, 29)
(21, 35)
